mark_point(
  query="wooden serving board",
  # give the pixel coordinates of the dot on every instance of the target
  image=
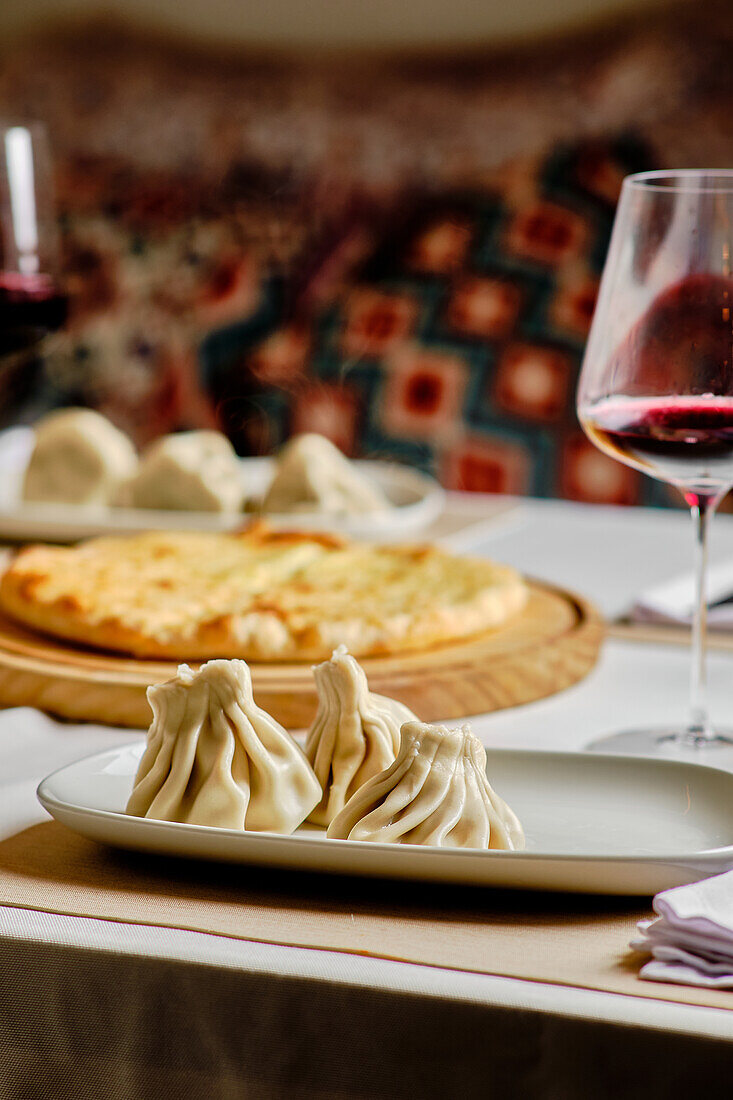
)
(552, 644)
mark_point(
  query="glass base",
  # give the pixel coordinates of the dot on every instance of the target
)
(664, 742)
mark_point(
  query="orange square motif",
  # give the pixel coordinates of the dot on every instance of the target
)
(532, 382)
(599, 172)
(441, 247)
(281, 358)
(486, 308)
(376, 322)
(487, 466)
(573, 306)
(229, 288)
(589, 475)
(547, 233)
(423, 394)
(328, 410)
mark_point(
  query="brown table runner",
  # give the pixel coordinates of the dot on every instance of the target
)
(556, 938)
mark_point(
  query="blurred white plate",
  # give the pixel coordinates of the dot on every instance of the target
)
(417, 498)
(594, 824)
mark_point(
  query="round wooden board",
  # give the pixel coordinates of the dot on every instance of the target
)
(552, 644)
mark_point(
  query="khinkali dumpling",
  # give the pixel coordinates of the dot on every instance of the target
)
(79, 457)
(214, 757)
(187, 472)
(312, 475)
(355, 734)
(436, 792)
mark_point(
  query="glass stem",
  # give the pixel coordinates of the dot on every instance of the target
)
(702, 508)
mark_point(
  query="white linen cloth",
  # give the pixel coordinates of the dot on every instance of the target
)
(691, 941)
(33, 745)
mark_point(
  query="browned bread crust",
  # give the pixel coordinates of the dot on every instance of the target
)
(261, 594)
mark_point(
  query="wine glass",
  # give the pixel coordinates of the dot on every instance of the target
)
(656, 388)
(31, 304)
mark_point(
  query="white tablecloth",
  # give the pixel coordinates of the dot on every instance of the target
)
(99, 1009)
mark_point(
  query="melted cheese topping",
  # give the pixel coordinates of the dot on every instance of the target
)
(268, 588)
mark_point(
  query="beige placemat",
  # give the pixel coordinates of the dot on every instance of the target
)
(557, 938)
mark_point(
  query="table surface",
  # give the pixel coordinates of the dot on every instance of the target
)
(609, 555)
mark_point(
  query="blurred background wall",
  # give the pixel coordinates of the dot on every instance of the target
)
(385, 222)
(332, 23)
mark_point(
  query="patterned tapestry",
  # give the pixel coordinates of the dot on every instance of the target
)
(457, 344)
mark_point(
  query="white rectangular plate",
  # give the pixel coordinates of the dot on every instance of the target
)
(595, 824)
(417, 501)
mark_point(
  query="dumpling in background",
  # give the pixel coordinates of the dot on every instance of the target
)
(436, 792)
(214, 757)
(187, 472)
(79, 457)
(355, 734)
(313, 476)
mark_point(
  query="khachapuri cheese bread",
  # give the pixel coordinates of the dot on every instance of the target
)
(312, 475)
(436, 792)
(78, 457)
(189, 472)
(354, 735)
(259, 594)
(213, 757)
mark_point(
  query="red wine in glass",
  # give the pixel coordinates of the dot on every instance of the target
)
(685, 439)
(31, 306)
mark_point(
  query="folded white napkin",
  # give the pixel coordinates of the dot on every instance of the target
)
(691, 941)
(673, 602)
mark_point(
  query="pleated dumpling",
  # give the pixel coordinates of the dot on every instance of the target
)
(213, 757)
(79, 457)
(436, 792)
(355, 734)
(312, 475)
(188, 472)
